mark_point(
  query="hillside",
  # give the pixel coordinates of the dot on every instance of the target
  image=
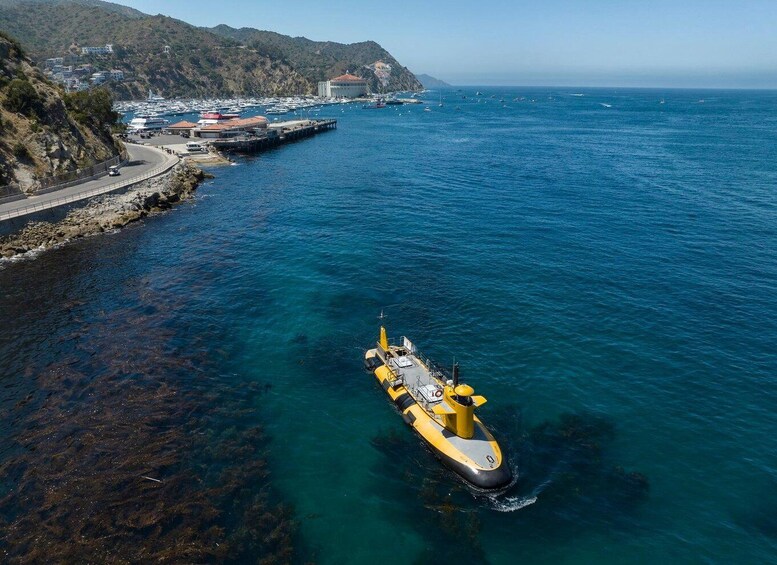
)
(42, 132)
(198, 64)
(176, 59)
(322, 60)
(431, 82)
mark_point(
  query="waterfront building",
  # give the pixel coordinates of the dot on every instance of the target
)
(231, 128)
(344, 86)
(181, 127)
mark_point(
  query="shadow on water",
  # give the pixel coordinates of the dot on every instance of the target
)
(135, 448)
(565, 474)
(760, 516)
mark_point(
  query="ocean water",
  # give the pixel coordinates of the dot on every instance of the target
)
(602, 265)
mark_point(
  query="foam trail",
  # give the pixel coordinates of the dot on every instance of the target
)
(513, 503)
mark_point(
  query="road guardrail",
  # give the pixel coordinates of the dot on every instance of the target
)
(49, 204)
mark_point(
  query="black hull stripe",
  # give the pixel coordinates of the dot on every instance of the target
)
(404, 401)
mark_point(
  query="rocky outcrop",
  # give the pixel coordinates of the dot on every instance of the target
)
(107, 213)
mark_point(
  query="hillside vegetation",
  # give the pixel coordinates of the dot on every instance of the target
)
(42, 131)
(322, 60)
(200, 62)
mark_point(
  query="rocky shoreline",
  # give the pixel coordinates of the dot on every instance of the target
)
(107, 213)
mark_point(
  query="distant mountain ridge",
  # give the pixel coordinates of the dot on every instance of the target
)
(322, 60)
(109, 6)
(177, 59)
(431, 82)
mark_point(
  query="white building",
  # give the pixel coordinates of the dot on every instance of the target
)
(74, 85)
(97, 50)
(100, 77)
(116, 74)
(344, 86)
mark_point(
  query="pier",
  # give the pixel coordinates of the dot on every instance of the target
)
(276, 134)
(253, 141)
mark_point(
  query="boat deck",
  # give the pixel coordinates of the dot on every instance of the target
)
(423, 385)
(418, 380)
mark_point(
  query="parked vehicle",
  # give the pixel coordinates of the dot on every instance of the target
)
(195, 147)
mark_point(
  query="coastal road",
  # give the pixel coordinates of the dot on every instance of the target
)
(144, 162)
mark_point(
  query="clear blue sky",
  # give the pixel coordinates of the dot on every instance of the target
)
(683, 43)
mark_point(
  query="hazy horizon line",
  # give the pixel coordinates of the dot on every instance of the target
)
(633, 87)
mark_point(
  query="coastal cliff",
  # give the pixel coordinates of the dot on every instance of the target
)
(44, 132)
(108, 212)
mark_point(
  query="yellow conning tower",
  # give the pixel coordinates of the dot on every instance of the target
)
(458, 410)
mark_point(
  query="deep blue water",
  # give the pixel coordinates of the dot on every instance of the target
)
(605, 276)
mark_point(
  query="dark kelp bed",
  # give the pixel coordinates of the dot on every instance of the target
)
(129, 449)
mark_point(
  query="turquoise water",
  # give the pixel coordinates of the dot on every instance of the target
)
(605, 276)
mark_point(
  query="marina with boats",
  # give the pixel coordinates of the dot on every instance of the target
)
(155, 112)
(239, 125)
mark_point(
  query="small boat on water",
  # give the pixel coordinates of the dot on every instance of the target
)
(278, 109)
(380, 103)
(441, 410)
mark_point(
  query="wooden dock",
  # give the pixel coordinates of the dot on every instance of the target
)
(276, 134)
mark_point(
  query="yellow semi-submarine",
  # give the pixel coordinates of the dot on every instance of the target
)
(441, 410)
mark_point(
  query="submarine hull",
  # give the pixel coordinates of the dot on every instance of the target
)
(478, 460)
(486, 479)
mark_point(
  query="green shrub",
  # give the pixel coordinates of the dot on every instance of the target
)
(21, 97)
(16, 48)
(21, 152)
(92, 107)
